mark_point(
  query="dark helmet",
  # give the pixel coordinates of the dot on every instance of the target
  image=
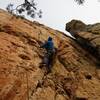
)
(49, 38)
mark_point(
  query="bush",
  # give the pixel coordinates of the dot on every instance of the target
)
(26, 8)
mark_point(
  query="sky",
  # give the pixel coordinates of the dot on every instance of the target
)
(56, 13)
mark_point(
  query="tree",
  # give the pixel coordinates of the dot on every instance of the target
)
(29, 8)
(80, 1)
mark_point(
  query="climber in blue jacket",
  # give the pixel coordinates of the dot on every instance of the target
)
(48, 58)
(48, 45)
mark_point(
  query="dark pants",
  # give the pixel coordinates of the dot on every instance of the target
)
(48, 59)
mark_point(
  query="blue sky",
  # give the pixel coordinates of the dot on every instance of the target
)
(56, 13)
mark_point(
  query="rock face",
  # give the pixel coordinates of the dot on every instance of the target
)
(88, 36)
(75, 25)
(75, 74)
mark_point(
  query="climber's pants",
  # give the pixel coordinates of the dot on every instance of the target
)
(48, 59)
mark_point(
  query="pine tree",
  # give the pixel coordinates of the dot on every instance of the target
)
(29, 8)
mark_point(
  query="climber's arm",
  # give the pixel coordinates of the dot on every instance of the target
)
(44, 45)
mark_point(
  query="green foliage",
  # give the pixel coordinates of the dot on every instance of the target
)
(26, 8)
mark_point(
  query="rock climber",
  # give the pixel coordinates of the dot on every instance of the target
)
(50, 51)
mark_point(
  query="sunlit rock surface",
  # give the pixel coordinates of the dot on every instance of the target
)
(75, 73)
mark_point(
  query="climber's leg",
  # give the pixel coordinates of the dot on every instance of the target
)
(50, 61)
(45, 61)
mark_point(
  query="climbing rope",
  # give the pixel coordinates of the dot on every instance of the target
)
(27, 86)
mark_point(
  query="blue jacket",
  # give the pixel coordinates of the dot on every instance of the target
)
(49, 45)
